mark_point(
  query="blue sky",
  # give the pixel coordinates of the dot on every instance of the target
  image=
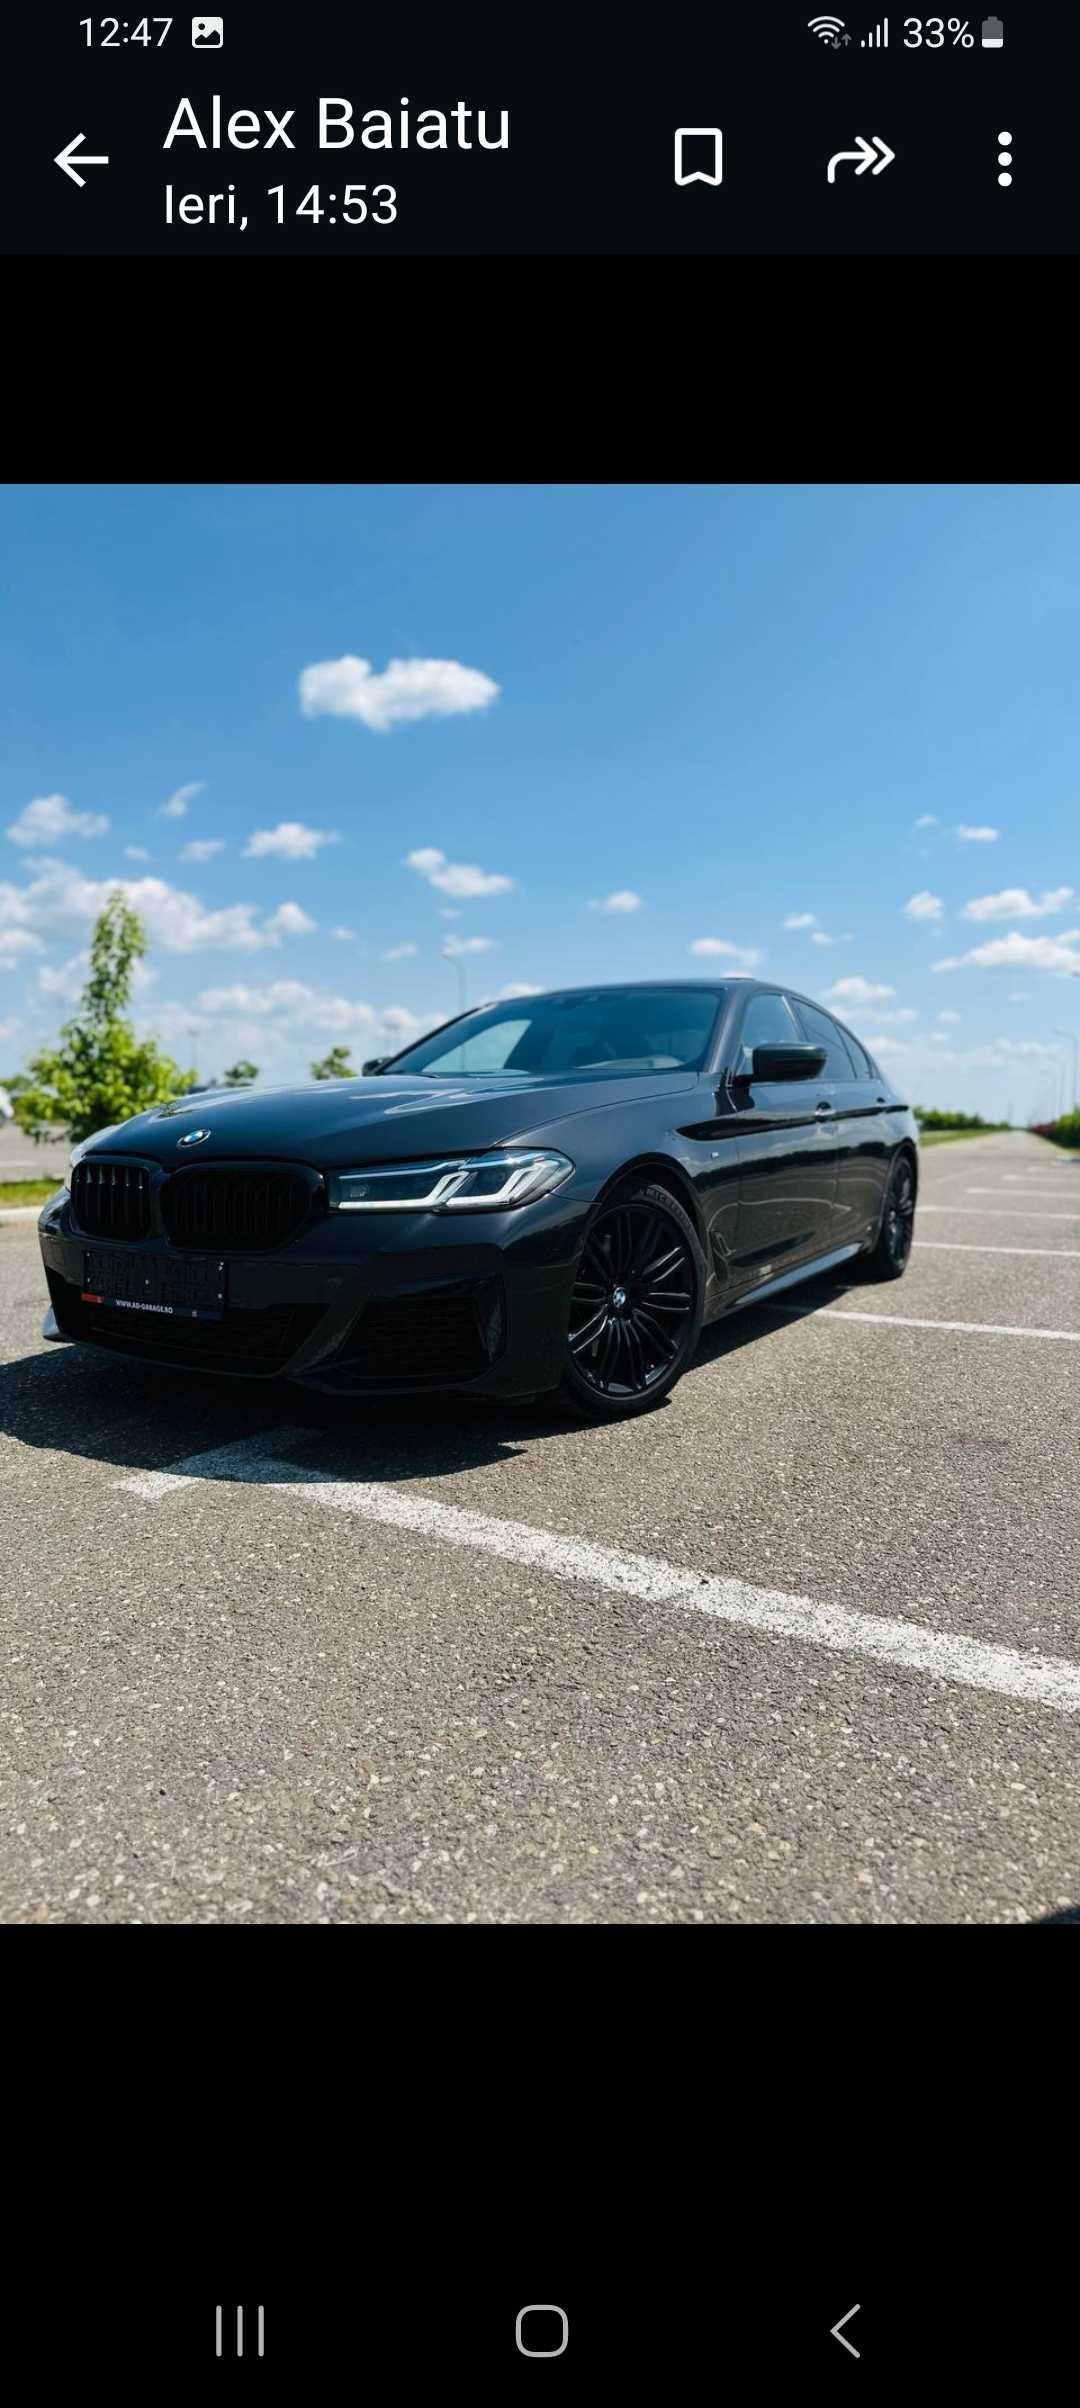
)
(614, 724)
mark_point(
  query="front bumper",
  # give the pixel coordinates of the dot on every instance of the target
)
(356, 1305)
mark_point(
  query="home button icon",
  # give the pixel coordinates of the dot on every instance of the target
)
(542, 2331)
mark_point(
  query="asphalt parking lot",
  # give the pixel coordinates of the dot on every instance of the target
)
(802, 1645)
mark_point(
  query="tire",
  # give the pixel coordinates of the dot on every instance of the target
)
(637, 1304)
(888, 1258)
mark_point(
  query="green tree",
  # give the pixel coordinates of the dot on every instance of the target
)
(334, 1065)
(99, 1072)
(241, 1074)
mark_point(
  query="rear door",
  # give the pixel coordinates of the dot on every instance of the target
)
(787, 1149)
(859, 1099)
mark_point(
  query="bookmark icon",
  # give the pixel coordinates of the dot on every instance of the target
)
(699, 154)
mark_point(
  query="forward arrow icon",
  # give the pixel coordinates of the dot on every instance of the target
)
(66, 159)
(875, 154)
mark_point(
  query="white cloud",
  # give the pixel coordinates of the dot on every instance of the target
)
(857, 990)
(1015, 903)
(303, 1006)
(1017, 995)
(888, 1045)
(449, 911)
(177, 803)
(400, 953)
(9, 1028)
(136, 852)
(897, 1019)
(50, 816)
(819, 937)
(719, 946)
(1015, 952)
(289, 920)
(14, 941)
(415, 689)
(60, 898)
(290, 840)
(801, 919)
(345, 936)
(453, 945)
(953, 1018)
(924, 906)
(926, 819)
(517, 987)
(203, 848)
(456, 877)
(624, 899)
(977, 835)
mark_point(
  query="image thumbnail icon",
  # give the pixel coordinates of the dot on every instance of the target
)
(207, 33)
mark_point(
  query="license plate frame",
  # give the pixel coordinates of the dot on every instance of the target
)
(192, 1290)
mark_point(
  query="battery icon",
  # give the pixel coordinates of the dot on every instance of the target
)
(993, 34)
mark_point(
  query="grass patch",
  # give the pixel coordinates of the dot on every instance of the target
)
(947, 1136)
(28, 1191)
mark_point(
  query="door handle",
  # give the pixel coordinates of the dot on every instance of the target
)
(821, 1109)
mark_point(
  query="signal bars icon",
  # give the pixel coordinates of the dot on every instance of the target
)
(879, 39)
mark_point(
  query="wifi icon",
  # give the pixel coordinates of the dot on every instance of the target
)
(827, 29)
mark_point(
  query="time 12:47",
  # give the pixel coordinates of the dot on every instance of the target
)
(111, 36)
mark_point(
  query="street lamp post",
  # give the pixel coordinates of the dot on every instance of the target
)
(450, 954)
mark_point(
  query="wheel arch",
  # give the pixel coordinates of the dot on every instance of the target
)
(661, 1171)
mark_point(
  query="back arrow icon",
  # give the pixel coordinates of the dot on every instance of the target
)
(837, 2333)
(64, 159)
(875, 154)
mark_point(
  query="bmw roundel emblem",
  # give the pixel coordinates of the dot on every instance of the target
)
(194, 1137)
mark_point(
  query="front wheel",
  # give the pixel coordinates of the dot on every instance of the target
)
(889, 1258)
(637, 1303)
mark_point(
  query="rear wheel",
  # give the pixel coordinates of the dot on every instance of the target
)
(635, 1312)
(888, 1258)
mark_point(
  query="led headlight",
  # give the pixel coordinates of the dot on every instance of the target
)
(469, 1183)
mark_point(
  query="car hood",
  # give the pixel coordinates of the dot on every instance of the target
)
(372, 1120)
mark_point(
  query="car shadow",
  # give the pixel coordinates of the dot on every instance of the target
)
(133, 1417)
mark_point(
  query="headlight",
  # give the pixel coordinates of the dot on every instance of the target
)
(471, 1183)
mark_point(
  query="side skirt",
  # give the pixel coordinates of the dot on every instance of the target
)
(790, 1279)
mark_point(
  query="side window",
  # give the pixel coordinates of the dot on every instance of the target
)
(767, 1020)
(820, 1030)
(864, 1068)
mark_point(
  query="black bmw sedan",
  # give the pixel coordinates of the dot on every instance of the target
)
(549, 1193)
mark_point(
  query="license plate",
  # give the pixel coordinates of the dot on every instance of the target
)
(174, 1291)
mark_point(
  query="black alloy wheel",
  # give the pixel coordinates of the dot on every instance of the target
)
(888, 1259)
(635, 1312)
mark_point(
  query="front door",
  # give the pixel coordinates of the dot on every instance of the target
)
(786, 1138)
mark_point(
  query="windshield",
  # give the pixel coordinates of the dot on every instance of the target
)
(613, 1030)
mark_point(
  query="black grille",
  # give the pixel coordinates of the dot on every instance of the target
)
(247, 1208)
(451, 1333)
(111, 1198)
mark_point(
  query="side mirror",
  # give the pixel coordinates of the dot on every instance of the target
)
(788, 1061)
(378, 1062)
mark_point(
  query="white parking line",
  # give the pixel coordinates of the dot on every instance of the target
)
(1006, 1671)
(1011, 1672)
(982, 1329)
(219, 1463)
(944, 1245)
(1028, 1191)
(996, 1212)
